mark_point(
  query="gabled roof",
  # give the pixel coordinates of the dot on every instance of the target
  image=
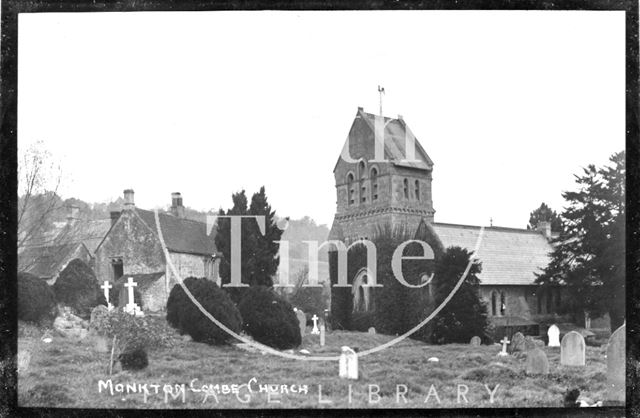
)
(143, 280)
(394, 142)
(181, 235)
(509, 256)
(47, 261)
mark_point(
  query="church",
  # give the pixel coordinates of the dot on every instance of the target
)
(377, 182)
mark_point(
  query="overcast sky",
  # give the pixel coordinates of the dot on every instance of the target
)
(508, 105)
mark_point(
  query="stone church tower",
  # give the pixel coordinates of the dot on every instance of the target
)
(373, 191)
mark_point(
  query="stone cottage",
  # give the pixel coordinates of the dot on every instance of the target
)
(372, 192)
(132, 248)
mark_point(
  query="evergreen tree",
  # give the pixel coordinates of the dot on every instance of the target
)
(465, 315)
(589, 254)
(545, 214)
(259, 253)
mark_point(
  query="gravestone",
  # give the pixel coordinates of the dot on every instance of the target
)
(24, 358)
(302, 321)
(616, 358)
(572, 350)
(517, 343)
(504, 342)
(530, 343)
(322, 331)
(554, 336)
(372, 330)
(315, 329)
(537, 362)
(475, 341)
(100, 344)
(348, 365)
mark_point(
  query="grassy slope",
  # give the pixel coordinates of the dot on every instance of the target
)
(66, 373)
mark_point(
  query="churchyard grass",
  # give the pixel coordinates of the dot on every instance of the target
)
(66, 373)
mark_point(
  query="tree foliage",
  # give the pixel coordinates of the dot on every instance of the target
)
(78, 288)
(259, 251)
(269, 318)
(36, 300)
(187, 318)
(589, 255)
(465, 315)
(545, 214)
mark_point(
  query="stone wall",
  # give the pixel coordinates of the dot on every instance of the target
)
(154, 298)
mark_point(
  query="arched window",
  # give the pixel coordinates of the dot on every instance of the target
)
(360, 292)
(406, 189)
(503, 304)
(417, 189)
(361, 170)
(494, 303)
(352, 191)
(374, 183)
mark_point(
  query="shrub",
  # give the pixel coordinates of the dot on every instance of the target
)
(131, 332)
(312, 300)
(185, 316)
(78, 288)
(36, 300)
(269, 318)
(134, 360)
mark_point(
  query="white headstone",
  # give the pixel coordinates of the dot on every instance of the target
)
(315, 329)
(131, 306)
(616, 366)
(572, 350)
(475, 341)
(504, 342)
(348, 364)
(322, 331)
(106, 286)
(372, 330)
(554, 336)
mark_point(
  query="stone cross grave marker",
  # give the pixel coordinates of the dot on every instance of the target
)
(572, 350)
(475, 341)
(106, 286)
(616, 358)
(315, 329)
(517, 342)
(302, 321)
(348, 365)
(537, 362)
(322, 331)
(504, 342)
(554, 336)
(131, 306)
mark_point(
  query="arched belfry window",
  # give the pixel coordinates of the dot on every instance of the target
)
(351, 188)
(503, 304)
(360, 292)
(374, 184)
(494, 303)
(406, 188)
(417, 189)
(362, 169)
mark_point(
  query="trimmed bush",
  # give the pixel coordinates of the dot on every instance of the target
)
(185, 316)
(78, 288)
(269, 318)
(131, 332)
(134, 360)
(36, 300)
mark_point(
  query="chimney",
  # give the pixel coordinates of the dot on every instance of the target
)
(72, 213)
(128, 200)
(360, 109)
(400, 117)
(177, 209)
(544, 228)
(115, 215)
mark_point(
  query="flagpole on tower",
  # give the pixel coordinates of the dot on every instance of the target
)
(380, 92)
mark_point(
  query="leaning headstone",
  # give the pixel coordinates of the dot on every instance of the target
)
(616, 359)
(517, 343)
(572, 349)
(554, 336)
(372, 330)
(537, 362)
(475, 341)
(530, 343)
(348, 365)
(302, 321)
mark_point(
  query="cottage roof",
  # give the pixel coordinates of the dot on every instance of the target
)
(181, 235)
(509, 256)
(47, 261)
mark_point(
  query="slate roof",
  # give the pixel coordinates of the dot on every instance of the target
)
(143, 280)
(394, 142)
(509, 256)
(181, 235)
(46, 261)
